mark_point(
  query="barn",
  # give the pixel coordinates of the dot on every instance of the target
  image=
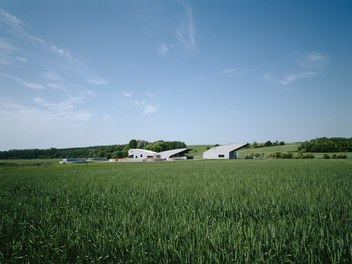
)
(140, 154)
(224, 152)
(173, 154)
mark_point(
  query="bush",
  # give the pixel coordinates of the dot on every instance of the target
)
(326, 156)
(280, 155)
(339, 156)
(303, 156)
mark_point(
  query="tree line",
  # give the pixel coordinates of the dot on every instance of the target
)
(109, 151)
(324, 144)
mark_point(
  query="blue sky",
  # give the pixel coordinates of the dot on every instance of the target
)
(82, 73)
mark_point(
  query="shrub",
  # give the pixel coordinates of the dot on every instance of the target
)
(326, 156)
(280, 155)
(303, 156)
(342, 156)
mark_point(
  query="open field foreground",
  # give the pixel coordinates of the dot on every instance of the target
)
(231, 211)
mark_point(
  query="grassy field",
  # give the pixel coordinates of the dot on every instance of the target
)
(230, 211)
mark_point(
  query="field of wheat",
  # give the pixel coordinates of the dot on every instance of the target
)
(233, 211)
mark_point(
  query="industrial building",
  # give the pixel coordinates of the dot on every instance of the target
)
(173, 154)
(224, 152)
(143, 154)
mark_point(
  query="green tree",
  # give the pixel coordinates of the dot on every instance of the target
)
(132, 144)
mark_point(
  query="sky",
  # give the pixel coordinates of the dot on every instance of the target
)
(86, 73)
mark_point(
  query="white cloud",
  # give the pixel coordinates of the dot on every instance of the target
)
(9, 19)
(16, 27)
(186, 31)
(150, 109)
(6, 46)
(34, 86)
(6, 50)
(163, 49)
(201, 78)
(234, 71)
(296, 76)
(147, 107)
(314, 60)
(22, 59)
(268, 77)
(97, 81)
(40, 125)
(56, 86)
(65, 108)
(228, 71)
(125, 94)
(51, 76)
(61, 51)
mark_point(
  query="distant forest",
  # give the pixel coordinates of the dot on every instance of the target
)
(111, 151)
(327, 145)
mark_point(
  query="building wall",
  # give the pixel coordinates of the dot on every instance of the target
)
(140, 154)
(216, 154)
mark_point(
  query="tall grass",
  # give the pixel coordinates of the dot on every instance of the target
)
(178, 212)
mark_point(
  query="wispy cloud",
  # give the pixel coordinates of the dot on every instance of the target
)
(22, 59)
(228, 71)
(146, 106)
(201, 78)
(67, 108)
(34, 86)
(6, 50)
(28, 84)
(314, 60)
(61, 51)
(16, 27)
(97, 81)
(51, 76)
(163, 49)
(234, 71)
(151, 109)
(9, 19)
(186, 31)
(126, 94)
(289, 78)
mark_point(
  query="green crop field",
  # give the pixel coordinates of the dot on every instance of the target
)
(229, 211)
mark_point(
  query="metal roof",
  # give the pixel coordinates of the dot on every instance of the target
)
(227, 148)
(142, 150)
(168, 153)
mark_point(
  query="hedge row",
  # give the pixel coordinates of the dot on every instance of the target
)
(335, 156)
(290, 155)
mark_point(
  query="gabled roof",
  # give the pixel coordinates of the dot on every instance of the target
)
(227, 148)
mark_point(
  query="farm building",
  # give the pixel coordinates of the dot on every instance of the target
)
(173, 154)
(224, 151)
(141, 154)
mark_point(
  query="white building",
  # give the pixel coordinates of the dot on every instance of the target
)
(173, 154)
(224, 151)
(141, 154)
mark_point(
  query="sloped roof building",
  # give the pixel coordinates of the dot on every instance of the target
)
(224, 152)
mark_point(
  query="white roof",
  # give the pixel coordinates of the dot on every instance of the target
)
(227, 148)
(168, 153)
(141, 150)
